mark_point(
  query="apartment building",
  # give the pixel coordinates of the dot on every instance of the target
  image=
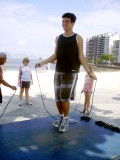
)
(116, 51)
(100, 44)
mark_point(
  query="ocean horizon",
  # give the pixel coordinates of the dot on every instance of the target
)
(13, 64)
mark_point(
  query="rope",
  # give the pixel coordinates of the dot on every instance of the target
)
(71, 120)
(42, 96)
(7, 105)
(91, 106)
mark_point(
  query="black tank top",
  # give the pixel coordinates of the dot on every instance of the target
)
(67, 54)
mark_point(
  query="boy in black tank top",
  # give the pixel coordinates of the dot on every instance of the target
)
(69, 56)
(67, 51)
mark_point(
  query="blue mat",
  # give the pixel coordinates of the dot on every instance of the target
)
(37, 140)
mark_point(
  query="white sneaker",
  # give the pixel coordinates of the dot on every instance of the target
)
(58, 122)
(64, 125)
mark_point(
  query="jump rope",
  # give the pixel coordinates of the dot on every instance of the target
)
(45, 105)
(71, 121)
(7, 104)
(86, 118)
(91, 106)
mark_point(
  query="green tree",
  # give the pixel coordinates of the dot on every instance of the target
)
(98, 61)
(107, 57)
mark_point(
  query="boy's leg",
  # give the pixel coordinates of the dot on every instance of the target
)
(65, 107)
(59, 107)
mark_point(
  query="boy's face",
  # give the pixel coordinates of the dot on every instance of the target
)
(67, 24)
(3, 60)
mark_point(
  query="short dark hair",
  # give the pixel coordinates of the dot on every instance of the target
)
(2, 55)
(71, 16)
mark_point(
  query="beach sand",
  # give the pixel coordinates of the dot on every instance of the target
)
(106, 101)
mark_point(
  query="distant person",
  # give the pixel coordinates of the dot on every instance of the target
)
(24, 80)
(4, 67)
(47, 67)
(3, 59)
(98, 69)
(69, 56)
(87, 89)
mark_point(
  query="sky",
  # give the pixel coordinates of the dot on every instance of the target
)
(29, 27)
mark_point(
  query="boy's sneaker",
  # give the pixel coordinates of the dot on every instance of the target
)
(58, 122)
(64, 125)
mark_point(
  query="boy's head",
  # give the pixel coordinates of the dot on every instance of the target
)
(71, 16)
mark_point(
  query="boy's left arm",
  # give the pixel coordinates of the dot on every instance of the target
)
(82, 58)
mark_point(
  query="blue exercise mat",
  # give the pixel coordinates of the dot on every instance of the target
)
(36, 139)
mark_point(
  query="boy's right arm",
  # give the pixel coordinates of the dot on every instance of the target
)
(51, 59)
(48, 60)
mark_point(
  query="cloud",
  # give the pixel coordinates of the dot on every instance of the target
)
(103, 18)
(17, 11)
(22, 42)
(35, 28)
(26, 22)
(53, 19)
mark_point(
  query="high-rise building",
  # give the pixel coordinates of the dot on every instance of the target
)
(116, 51)
(100, 44)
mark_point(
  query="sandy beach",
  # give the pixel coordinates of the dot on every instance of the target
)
(106, 102)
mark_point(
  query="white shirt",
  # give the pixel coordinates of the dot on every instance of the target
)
(26, 73)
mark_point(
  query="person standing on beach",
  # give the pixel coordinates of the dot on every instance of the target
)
(69, 56)
(87, 89)
(3, 59)
(24, 80)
